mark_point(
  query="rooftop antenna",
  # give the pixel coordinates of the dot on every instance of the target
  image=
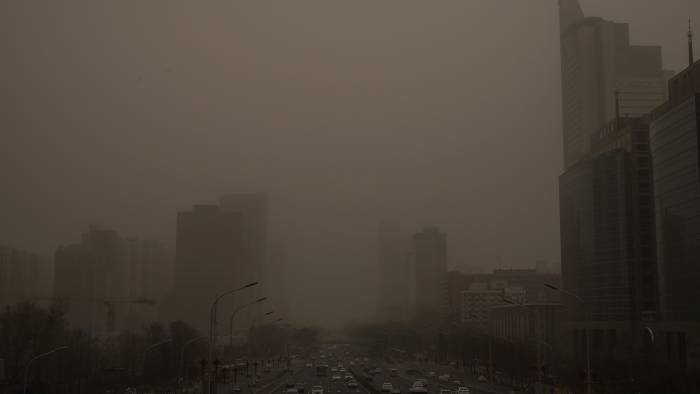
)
(690, 43)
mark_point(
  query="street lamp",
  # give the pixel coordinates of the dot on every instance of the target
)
(182, 354)
(212, 323)
(588, 318)
(234, 314)
(26, 369)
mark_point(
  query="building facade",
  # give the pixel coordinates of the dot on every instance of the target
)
(430, 253)
(603, 77)
(476, 302)
(675, 146)
(210, 245)
(392, 264)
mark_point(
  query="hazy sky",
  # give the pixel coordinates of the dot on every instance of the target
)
(429, 112)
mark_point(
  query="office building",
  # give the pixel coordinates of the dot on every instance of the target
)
(675, 149)
(531, 280)
(211, 247)
(476, 302)
(607, 230)
(253, 209)
(603, 76)
(393, 265)
(430, 253)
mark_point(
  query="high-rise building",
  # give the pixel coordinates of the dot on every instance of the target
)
(75, 283)
(210, 251)
(430, 253)
(603, 77)
(253, 208)
(675, 147)
(22, 276)
(607, 230)
(109, 282)
(392, 259)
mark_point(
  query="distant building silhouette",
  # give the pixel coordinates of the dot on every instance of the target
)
(430, 253)
(105, 279)
(530, 280)
(23, 276)
(210, 249)
(597, 61)
(393, 266)
(253, 208)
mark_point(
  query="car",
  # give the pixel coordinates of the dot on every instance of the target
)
(291, 391)
(348, 376)
(396, 390)
(444, 377)
(431, 374)
(316, 390)
(300, 387)
(419, 389)
(334, 369)
(235, 389)
(336, 378)
(387, 387)
(422, 382)
(446, 391)
(394, 372)
(309, 365)
(457, 382)
(482, 378)
(462, 390)
(352, 384)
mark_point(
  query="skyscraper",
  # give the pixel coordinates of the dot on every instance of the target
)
(603, 76)
(253, 209)
(210, 246)
(430, 251)
(607, 225)
(392, 259)
(675, 146)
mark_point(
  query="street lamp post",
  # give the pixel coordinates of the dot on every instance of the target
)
(588, 318)
(234, 315)
(212, 323)
(182, 355)
(26, 368)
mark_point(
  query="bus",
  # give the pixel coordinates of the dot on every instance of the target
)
(321, 370)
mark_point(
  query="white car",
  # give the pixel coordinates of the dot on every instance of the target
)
(348, 376)
(316, 390)
(444, 378)
(482, 378)
(352, 384)
(309, 365)
(292, 391)
(446, 391)
(387, 387)
(463, 390)
(336, 378)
